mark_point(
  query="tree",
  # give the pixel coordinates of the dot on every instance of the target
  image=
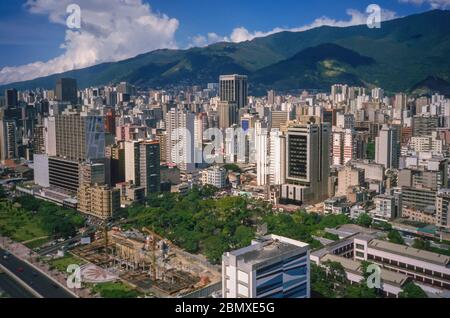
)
(411, 290)
(360, 290)
(385, 226)
(214, 247)
(336, 272)
(421, 244)
(243, 235)
(320, 283)
(395, 237)
(364, 220)
(232, 167)
(2, 193)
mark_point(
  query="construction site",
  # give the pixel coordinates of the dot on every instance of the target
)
(149, 262)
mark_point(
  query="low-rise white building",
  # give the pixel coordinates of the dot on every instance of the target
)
(215, 176)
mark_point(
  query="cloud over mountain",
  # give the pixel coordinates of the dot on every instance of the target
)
(111, 30)
(434, 4)
(241, 34)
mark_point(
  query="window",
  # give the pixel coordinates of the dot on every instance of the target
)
(360, 254)
(360, 246)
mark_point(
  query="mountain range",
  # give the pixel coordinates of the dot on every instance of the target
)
(402, 55)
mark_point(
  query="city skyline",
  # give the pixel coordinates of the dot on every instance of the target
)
(277, 164)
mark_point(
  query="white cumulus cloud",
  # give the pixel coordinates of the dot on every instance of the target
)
(241, 34)
(434, 4)
(111, 30)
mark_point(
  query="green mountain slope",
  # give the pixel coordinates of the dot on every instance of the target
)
(402, 52)
(431, 85)
(317, 67)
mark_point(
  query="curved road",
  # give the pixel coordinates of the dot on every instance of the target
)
(33, 278)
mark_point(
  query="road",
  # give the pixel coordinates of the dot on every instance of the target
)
(56, 247)
(33, 278)
(12, 288)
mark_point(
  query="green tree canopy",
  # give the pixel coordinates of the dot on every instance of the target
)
(411, 290)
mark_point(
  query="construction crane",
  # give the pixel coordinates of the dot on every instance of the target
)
(152, 247)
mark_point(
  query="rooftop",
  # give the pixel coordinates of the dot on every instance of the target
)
(266, 252)
(356, 267)
(267, 248)
(426, 256)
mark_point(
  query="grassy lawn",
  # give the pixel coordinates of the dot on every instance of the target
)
(37, 242)
(29, 218)
(18, 224)
(115, 290)
(61, 264)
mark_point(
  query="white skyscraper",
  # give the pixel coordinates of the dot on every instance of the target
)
(50, 136)
(387, 148)
(262, 158)
(344, 147)
(377, 94)
(180, 126)
(277, 151)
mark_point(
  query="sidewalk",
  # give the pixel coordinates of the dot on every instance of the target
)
(31, 257)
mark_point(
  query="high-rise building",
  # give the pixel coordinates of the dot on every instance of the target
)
(278, 118)
(39, 139)
(400, 101)
(377, 94)
(442, 209)
(234, 89)
(180, 129)
(41, 172)
(247, 122)
(11, 98)
(92, 173)
(80, 136)
(349, 177)
(66, 90)
(277, 152)
(307, 163)
(161, 136)
(418, 198)
(8, 139)
(149, 166)
(50, 136)
(126, 88)
(116, 156)
(262, 158)
(98, 200)
(424, 125)
(271, 95)
(228, 114)
(345, 121)
(142, 165)
(344, 146)
(132, 152)
(110, 121)
(339, 93)
(270, 157)
(272, 267)
(387, 147)
(64, 174)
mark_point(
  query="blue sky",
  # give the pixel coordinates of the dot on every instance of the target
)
(27, 35)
